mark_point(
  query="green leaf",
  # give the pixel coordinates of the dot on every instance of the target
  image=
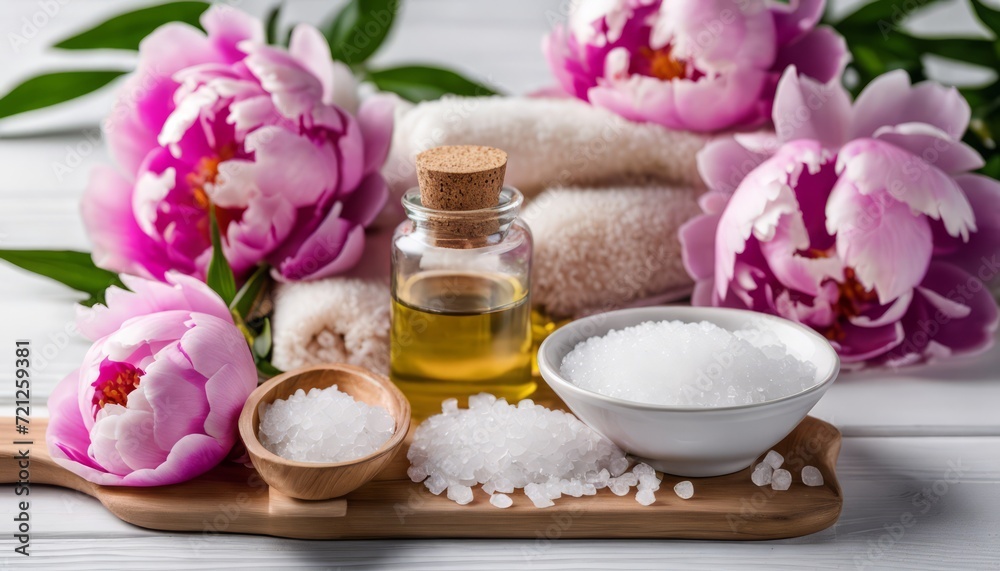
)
(971, 50)
(52, 88)
(272, 24)
(883, 13)
(220, 275)
(74, 269)
(262, 342)
(243, 302)
(989, 16)
(125, 31)
(359, 29)
(992, 168)
(422, 83)
(268, 370)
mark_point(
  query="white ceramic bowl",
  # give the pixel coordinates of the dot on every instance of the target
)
(688, 441)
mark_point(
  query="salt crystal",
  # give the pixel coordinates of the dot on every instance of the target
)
(501, 500)
(618, 487)
(460, 494)
(645, 497)
(642, 469)
(684, 490)
(449, 406)
(416, 474)
(324, 425)
(811, 476)
(781, 479)
(762, 473)
(774, 459)
(629, 364)
(538, 495)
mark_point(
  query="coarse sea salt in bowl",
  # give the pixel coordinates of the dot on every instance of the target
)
(693, 398)
(309, 480)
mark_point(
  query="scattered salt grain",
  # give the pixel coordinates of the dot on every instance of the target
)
(503, 447)
(811, 476)
(762, 474)
(324, 425)
(684, 490)
(645, 497)
(781, 479)
(501, 500)
(774, 459)
(703, 369)
(460, 494)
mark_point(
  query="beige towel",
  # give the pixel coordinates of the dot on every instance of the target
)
(337, 320)
(340, 320)
(549, 142)
(602, 240)
(603, 249)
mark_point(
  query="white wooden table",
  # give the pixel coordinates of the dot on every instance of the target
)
(906, 435)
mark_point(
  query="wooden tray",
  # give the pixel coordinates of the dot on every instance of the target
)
(233, 499)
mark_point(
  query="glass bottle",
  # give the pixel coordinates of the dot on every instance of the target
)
(461, 309)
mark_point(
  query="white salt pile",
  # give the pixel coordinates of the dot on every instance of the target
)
(687, 364)
(323, 425)
(503, 447)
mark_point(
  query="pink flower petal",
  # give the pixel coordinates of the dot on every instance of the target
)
(888, 246)
(863, 343)
(952, 313)
(933, 146)
(118, 242)
(178, 292)
(67, 437)
(191, 457)
(375, 118)
(981, 255)
(698, 245)
(873, 166)
(219, 354)
(176, 393)
(796, 18)
(227, 27)
(759, 202)
(135, 440)
(821, 54)
(807, 109)
(311, 49)
(890, 100)
(104, 441)
(723, 163)
(285, 166)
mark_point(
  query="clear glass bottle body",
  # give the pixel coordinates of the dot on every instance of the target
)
(461, 307)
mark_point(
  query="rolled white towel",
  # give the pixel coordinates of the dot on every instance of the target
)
(549, 142)
(598, 249)
(337, 320)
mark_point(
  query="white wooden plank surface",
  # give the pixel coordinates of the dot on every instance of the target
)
(904, 427)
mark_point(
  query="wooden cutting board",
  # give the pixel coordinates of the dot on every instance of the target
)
(233, 499)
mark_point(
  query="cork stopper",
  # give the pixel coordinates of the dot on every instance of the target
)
(461, 177)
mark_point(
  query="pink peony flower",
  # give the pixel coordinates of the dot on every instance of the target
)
(276, 141)
(860, 221)
(158, 395)
(696, 65)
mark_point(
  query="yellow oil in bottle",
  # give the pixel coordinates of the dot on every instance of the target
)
(456, 334)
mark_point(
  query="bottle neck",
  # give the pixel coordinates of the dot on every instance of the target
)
(464, 228)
